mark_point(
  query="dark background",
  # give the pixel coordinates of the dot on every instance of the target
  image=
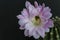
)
(9, 9)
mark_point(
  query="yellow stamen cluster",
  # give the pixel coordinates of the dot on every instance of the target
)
(36, 20)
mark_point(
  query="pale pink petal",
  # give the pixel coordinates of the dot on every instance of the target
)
(43, 20)
(21, 27)
(47, 15)
(46, 9)
(23, 21)
(41, 32)
(46, 29)
(46, 12)
(20, 17)
(31, 32)
(43, 5)
(26, 33)
(36, 35)
(36, 4)
(29, 26)
(39, 9)
(49, 23)
(25, 13)
(27, 4)
(32, 10)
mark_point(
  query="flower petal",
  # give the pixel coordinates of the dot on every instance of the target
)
(46, 12)
(46, 9)
(26, 33)
(21, 27)
(32, 10)
(43, 5)
(29, 26)
(23, 21)
(49, 23)
(39, 9)
(47, 15)
(25, 13)
(43, 20)
(46, 29)
(31, 32)
(20, 17)
(36, 35)
(41, 32)
(27, 4)
(36, 4)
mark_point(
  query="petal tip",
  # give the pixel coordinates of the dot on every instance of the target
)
(27, 3)
(18, 16)
(43, 4)
(36, 4)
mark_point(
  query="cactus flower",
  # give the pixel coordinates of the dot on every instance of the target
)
(35, 20)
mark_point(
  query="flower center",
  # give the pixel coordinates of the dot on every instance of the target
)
(36, 20)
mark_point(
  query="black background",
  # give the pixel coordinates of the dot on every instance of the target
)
(9, 9)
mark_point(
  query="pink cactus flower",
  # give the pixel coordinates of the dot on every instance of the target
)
(35, 20)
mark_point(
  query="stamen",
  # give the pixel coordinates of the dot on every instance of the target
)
(36, 20)
(37, 17)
